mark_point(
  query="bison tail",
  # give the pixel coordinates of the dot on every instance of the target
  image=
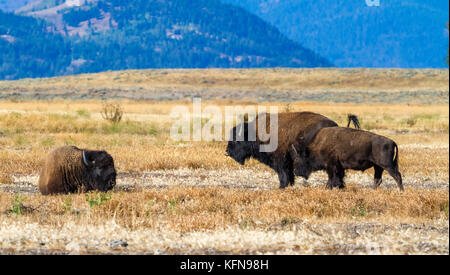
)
(395, 157)
(353, 119)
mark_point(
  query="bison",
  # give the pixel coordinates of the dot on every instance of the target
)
(69, 169)
(337, 149)
(291, 127)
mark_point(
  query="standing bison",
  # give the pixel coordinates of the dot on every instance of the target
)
(291, 128)
(337, 149)
(69, 169)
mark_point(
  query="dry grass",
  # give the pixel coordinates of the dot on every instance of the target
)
(433, 162)
(340, 79)
(300, 238)
(187, 209)
(5, 178)
(141, 142)
(187, 197)
(259, 85)
(196, 220)
(395, 117)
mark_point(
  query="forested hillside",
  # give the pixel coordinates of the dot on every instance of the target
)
(12, 5)
(27, 49)
(116, 35)
(397, 33)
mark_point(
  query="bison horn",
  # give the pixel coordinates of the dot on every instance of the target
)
(241, 129)
(85, 160)
(293, 148)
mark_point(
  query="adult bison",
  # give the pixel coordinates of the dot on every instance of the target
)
(69, 169)
(337, 149)
(291, 128)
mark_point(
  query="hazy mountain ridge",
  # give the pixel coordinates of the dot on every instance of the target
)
(115, 35)
(398, 33)
(12, 5)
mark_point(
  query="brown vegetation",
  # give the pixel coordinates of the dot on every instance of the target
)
(341, 79)
(187, 197)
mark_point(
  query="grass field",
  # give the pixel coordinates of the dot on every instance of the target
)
(187, 197)
(425, 86)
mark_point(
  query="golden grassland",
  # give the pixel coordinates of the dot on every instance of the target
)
(278, 79)
(139, 158)
(187, 197)
(422, 86)
(187, 209)
(228, 220)
(28, 130)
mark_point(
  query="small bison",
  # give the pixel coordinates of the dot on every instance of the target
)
(69, 170)
(337, 149)
(291, 126)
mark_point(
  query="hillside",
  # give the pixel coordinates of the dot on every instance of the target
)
(28, 50)
(12, 5)
(115, 35)
(409, 34)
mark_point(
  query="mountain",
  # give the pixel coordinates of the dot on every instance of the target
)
(27, 49)
(12, 5)
(398, 33)
(100, 35)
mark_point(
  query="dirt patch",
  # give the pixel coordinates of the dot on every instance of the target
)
(244, 178)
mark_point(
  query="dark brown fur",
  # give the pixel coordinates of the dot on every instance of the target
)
(291, 128)
(337, 149)
(65, 171)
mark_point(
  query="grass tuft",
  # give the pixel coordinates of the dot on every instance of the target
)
(97, 198)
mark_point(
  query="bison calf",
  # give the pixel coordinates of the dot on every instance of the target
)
(68, 170)
(336, 149)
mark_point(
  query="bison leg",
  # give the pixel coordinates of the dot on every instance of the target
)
(331, 177)
(283, 176)
(291, 176)
(397, 177)
(329, 185)
(378, 174)
(333, 180)
(340, 174)
(336, 176)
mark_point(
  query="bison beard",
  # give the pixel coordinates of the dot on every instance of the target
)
(337, 149)
(68, 170)
(291, 128)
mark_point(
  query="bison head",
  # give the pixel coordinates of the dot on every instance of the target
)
(301, 162)
(100, 168)
(239, 148)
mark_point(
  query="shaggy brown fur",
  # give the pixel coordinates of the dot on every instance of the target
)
(337, 149)
(66, 171)
(291, 128)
